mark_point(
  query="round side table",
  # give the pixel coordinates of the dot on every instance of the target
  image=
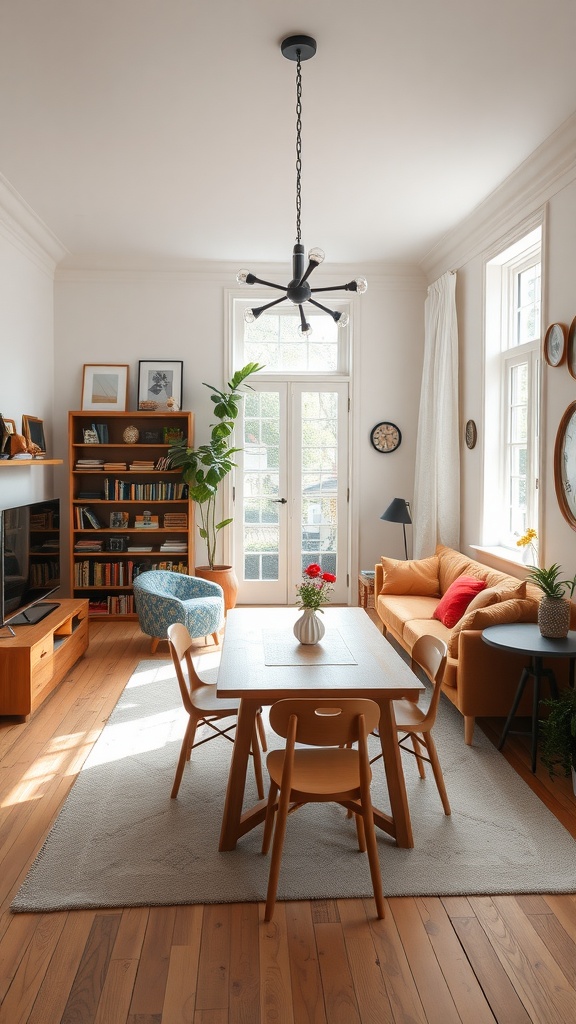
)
(525, 638)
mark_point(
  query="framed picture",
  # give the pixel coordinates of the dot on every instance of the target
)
(105, 387)
(160, 384)
(33, 430)
(555, 344)
(10, 426)
(572, 348)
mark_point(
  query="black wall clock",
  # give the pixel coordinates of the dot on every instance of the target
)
(385, 437)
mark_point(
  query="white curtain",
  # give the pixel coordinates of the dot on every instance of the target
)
(436, 507)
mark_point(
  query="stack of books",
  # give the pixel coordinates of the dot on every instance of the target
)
(88, 465)
(141, 465)
(176, 546)
(89, 545)
(86, 518)
(176, 521)
(114, 467)
(139, 547)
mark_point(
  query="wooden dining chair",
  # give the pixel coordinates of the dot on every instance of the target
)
(205, 708)
(415, 724)
(329, 770)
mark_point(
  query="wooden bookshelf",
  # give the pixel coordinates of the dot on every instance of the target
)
(129, 480)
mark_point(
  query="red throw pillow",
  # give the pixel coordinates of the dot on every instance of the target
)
(455, 601)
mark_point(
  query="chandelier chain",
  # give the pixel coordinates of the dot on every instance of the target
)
(298, 147)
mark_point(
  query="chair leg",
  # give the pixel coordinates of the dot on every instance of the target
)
(216, 638)
(419, 761)
(261, 731)
(433, 754)
(372, 849)
(269, 821)
(360, 832)
(154, 644)
(257, 764)
(185, 751)
(277, 847)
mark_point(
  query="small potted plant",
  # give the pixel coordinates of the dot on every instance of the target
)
(204, 469)
(558, 732)
(554, 608)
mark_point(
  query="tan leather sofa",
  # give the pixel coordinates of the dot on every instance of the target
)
(479, 680)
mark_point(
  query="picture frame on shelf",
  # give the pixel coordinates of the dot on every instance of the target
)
(160, 384)
(151, 436)
(33, 431)
(105, 387)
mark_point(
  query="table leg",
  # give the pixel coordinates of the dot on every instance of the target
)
(233, 825)
(402, 826)
(523, 679)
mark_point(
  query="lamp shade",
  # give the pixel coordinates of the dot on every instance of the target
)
(398, 511)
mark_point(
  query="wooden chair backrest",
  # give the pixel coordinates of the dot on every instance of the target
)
(180, 642)
(430, 653)
(324, 723)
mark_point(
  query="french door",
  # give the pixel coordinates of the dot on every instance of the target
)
(291, 489)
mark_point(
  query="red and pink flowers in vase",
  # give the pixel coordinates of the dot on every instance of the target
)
(314, 591)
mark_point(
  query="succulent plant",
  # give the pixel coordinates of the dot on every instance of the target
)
(547, 580)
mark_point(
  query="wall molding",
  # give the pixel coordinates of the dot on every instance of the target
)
(548, 170)
(25, 230)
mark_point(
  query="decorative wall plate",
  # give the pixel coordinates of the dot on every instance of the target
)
(555, 344)
(471, 434)
(571, 356)
(565, 465)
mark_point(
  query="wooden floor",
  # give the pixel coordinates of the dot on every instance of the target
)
(431, 961)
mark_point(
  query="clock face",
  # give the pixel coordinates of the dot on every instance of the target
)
(565, 465)
(385, 437)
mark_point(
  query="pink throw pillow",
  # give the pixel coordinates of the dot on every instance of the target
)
(455, 601)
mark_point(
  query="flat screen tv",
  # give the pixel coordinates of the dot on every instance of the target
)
(29, 561)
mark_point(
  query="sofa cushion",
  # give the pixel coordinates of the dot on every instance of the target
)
(418, 576)
(515, 610)
(483, 599)
(453, 564)
(455, 601)
(415, 628)
(396, 610)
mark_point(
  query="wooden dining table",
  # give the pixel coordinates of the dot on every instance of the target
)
(262, 662)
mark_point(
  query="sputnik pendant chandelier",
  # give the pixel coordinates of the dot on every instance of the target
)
(298, 291)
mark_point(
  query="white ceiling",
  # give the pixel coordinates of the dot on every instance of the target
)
(166, 128)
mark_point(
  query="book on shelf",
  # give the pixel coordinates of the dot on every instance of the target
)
(110, 467)
(89, 465)
(102, 432)
(86, 518)
(139, 547)
(141, 465)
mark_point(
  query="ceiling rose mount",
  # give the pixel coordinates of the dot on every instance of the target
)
(298, 291)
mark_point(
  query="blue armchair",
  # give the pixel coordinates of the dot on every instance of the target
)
(163, 598)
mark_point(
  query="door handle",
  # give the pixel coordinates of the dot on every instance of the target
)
(279, 501)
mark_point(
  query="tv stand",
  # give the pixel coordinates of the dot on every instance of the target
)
(36, 659)
(34, 614)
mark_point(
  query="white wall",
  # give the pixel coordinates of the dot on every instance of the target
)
(125, 315)
(26, 354)
(546, 184)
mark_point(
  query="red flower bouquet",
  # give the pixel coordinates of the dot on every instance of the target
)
(316, 587)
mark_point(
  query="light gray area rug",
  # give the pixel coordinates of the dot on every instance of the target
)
(121, 841)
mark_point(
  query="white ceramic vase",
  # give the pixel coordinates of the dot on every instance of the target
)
(308, 629)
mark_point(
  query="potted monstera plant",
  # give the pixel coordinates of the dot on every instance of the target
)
(554, 608)
(204, 469)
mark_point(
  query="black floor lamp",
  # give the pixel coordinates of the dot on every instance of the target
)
(398, 511)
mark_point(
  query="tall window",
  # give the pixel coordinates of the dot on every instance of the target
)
(513, 332)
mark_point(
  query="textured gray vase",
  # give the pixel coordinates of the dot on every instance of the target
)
(554, 617)
(308, 629)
